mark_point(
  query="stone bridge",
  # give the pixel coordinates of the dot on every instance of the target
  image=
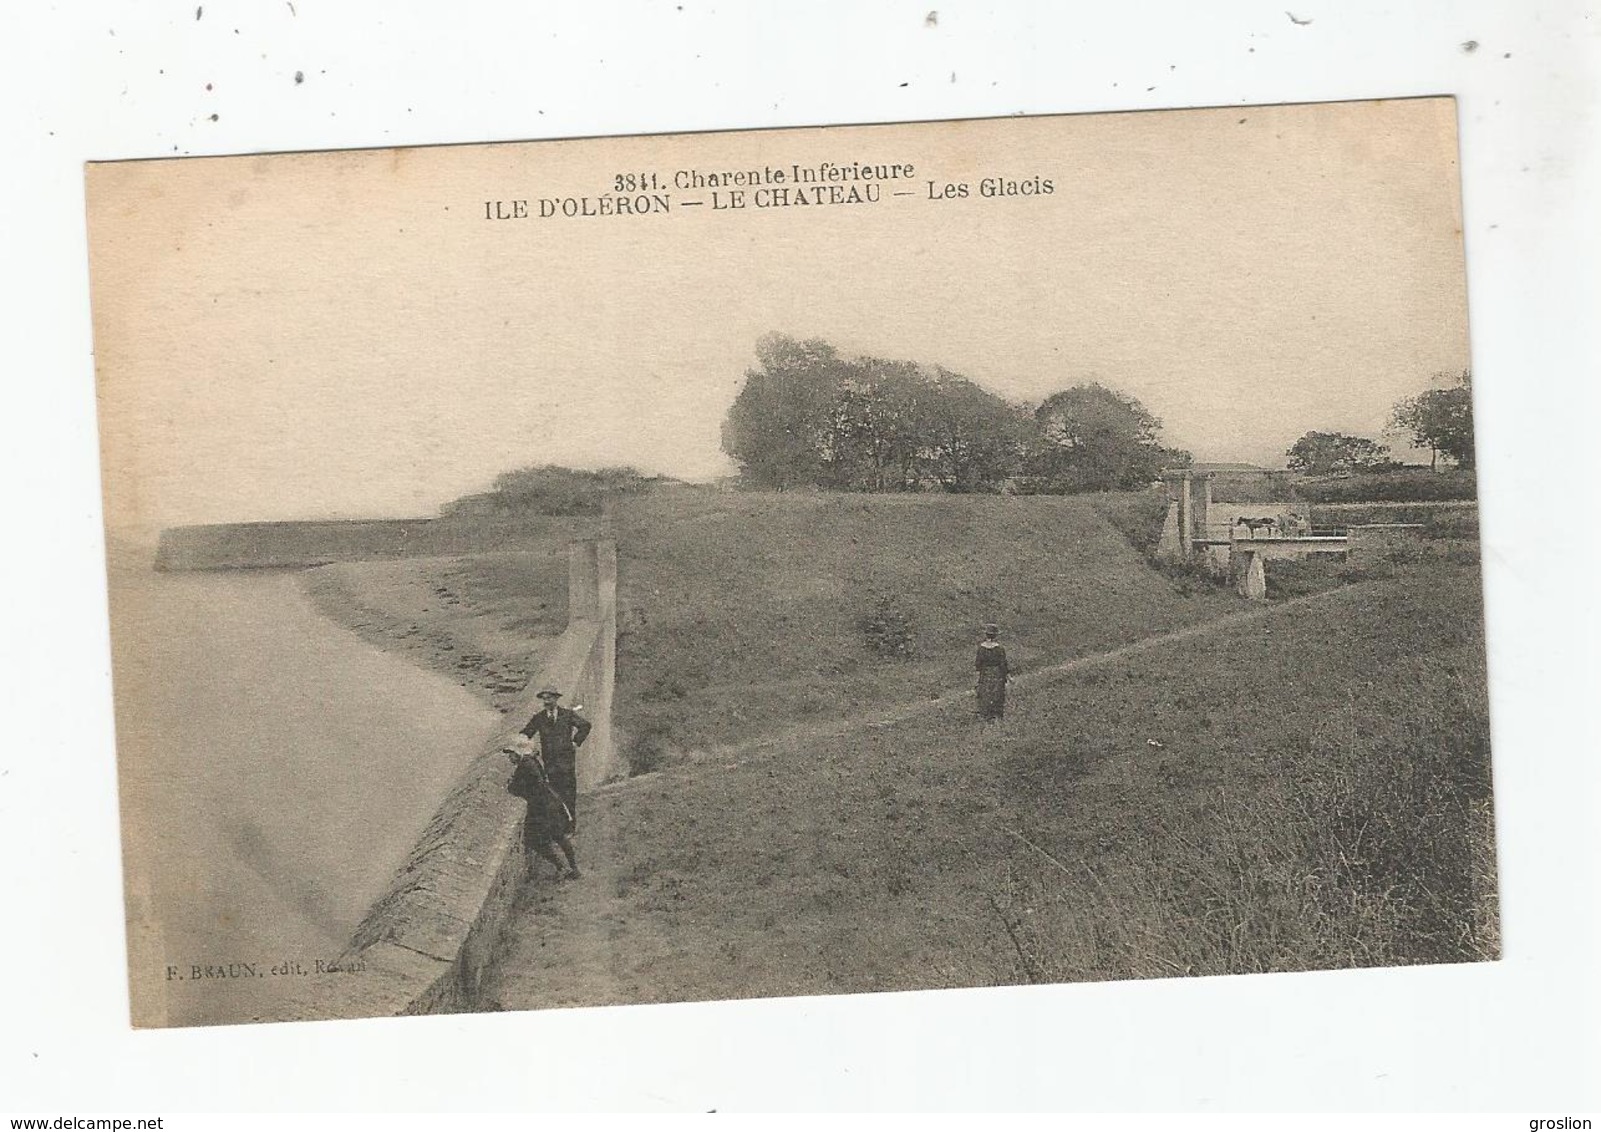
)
(1224, 536)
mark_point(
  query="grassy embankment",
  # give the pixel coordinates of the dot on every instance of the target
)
(1138, 516)
(1303, 788)
(744, 614)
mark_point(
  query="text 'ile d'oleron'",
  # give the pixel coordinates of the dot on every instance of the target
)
(646, 193)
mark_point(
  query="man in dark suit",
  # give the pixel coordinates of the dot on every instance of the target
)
(560, 732)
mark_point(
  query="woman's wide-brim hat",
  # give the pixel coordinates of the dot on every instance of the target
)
(992, 629)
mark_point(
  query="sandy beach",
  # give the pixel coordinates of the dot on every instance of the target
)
(481, 620)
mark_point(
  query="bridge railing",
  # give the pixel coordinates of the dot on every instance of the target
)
(1241, 533)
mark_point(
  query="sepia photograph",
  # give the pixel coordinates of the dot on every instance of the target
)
(793, 562)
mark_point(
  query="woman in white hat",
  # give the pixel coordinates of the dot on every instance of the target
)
(548, 823)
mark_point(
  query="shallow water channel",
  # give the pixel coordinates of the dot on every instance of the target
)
(274, 772)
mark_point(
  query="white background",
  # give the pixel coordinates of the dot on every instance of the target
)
(105, 80)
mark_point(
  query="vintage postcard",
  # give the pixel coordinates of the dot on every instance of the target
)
(793, 562)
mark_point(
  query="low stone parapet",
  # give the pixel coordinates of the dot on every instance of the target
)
(285, 545)
(424, 946)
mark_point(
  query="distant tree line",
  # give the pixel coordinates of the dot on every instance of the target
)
(1439, 419)
(1335, 453)
(808, 416)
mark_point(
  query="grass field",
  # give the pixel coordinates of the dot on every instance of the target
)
(1185, 783)
(742, 613)
(1304, 786)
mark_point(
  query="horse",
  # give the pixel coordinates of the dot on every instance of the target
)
(1268, 524)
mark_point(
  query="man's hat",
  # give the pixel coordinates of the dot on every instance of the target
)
(549, 694)
(992, 628)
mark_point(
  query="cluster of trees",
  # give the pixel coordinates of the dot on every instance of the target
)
(1335, 453)
(808, 416)
(1439, 419)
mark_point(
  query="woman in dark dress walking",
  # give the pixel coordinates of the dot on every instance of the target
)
(992, 675)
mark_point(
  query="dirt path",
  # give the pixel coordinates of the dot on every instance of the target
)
(581, 943)
(571, 943)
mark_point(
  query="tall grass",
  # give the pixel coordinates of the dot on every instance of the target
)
(1296, 577)
(1373, 846)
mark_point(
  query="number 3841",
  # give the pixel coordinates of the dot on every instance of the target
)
(635, 182)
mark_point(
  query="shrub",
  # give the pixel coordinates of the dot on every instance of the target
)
(1190, 576)
(548, 489)
(649, 750)
(888, 629)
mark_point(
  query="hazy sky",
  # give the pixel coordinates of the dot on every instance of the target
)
(346, 334)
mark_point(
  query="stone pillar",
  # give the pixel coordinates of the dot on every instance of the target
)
(1186, 519)
(599, 760)
(583, 661)
(1252, 578)
(1203, 521)
(1168, 544)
